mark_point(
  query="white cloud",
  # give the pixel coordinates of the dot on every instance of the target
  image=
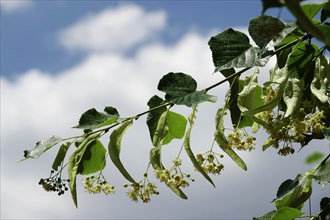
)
(14, 5)
(113, 29)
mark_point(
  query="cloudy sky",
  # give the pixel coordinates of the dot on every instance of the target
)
(60, 58)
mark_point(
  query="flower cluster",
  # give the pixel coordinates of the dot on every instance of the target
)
(174, 176)
(143, 190)
(95, 185)
(296, 128)
(54, 183)
(241, 140)
(210, 162)
(292, 129)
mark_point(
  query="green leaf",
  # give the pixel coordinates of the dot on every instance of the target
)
(194, 99)
(314, 157)
(153, 116)
(290, 34)
(61, 155)
(93, 159)
(325, 30)
(187, 147)
(266, 216)
(178, 191)
(322, 175)
(311, 10)
(41, 147)
(74, 162)
(301, 55)
(292, 95)
(115, 146)
(181, 88)
(251, 96)
(222, 141)
(155, 152)
(299, 195)
(231, 98)
(265, 28)
(325, 12)
(287, 186)
(93, 119)
(287, 213)
(320, 83)
(176, 124)
(269, 142)
(157, 141)
(176, 85)
(249, 58)
(228, 45)
(223, 144)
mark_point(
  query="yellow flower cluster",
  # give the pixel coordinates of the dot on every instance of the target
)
(296, 128)
(95, 185)
(210, 163)
(174, 176)
(241, 140)
(142, 190)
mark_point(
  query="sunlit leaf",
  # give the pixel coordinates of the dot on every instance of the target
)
(223, 144)
(311, 10)
(187, 147)
(322, 175)
(299, 195)
(287, 213)
(266, 216)
(319, 85)
(74, 162)
(155, 152)
(114, 148)
(292, 95)
(93, 159)
(325, 30)
(301, 55)
(314, 157)
(289, 35)
(250, 97)
(280, 77)
(61, 155)
(249, 58)
(228, 45)
(41, 147)
(93, 119)
(265, 28)
(176, 124)
(193, 99)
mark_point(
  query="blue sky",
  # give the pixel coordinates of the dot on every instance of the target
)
(60, 58)
(29, 37)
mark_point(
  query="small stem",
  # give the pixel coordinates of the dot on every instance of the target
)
(225, 80)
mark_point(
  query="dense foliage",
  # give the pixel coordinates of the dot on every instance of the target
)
(292, 107)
